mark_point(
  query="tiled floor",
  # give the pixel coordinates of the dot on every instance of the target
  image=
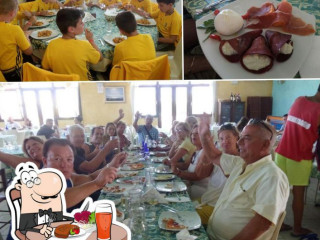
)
(311, 215)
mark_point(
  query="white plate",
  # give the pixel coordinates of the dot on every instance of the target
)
(311, 66)
(227, 70)
(190, 219)
(112, 12)
(34, 34)
(52, 12)
(178, 199)
(132, 180)
(171, 186)
(82, 232)
(164, 177)
(163, 169)
(124, 174)
(108, 38)
(151, 20)
(45, 24)
(134, 159)
(158, 159)
(128, 167)
(122, 186)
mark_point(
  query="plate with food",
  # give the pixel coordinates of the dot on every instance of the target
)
(175, 221)
(111, 13)
(51, 13)
(132, 167)
(146, 22)
(124, 174)
(132, 180)
(171, 186)
(40, 24)
(117, 189)
(163, 169)
(67, 231)
(164, 177)
(44, 34)
(177, 199)
(85, 219)
(158, 159)
(113, 39)
(246, 49)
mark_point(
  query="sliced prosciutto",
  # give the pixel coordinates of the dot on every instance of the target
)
(258, 58)
(267, 16)
(280, 44)
(233, 49)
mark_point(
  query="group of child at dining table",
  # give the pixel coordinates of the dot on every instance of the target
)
(68, 55)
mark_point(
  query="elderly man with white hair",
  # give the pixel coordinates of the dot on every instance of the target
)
(256, 192)
(81, 166)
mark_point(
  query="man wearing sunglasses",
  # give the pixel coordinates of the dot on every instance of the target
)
(256, 192)
(294, 152)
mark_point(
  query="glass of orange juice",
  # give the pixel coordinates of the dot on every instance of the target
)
(104, 221)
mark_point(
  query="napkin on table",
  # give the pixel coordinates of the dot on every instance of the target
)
(185, 235)
(152, 194)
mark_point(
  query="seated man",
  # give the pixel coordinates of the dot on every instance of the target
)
(256, 192)
(137, 47)
(48, 130)
(81, 166)
(93, 148)
(145, 130)
(11, 124)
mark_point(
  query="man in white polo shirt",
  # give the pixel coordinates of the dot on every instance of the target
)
(256, 192)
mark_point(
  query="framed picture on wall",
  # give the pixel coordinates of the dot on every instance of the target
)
(114, 94)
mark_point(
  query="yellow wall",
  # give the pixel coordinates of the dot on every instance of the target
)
(245, 88)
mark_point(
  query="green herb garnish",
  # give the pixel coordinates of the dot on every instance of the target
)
(209, 27)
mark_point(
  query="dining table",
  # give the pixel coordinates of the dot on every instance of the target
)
(97, 23)
(155, 209)
(310, 67)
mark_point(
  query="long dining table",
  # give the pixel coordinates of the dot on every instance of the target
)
(98, 27)
(153, 228)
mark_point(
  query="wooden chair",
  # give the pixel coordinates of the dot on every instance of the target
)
(278, 226)
(4, 185)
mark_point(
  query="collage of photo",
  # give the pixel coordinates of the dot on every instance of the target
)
(160, 119)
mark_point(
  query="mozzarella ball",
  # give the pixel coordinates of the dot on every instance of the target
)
(228, 22)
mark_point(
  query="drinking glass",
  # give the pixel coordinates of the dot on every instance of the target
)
(104, 221)
(138, 224)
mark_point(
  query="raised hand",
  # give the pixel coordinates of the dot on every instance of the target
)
(106, 176)
(118, 160)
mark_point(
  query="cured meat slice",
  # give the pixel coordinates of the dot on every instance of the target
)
(280, 44)
(233, 49)
(258, 58)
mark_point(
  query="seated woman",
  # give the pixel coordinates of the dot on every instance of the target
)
(197, 184)
(123, 141)
(32, 147)
(110, 131)
(228, 136)
(185, 149)
(173, 137)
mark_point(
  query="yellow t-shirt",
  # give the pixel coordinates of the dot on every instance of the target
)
(125, 2)
(187, 145)
(145, 5)
(70, 56)
(154, 7)
(39, 6)
(136, 48)
(168, 25)
(109, 2)
(12, 37)
(77, 3)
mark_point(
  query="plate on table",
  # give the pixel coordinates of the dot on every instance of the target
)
(51, 13)
(175, 221)
(40, 24)
(113, 12)
(177, 199)
(116, 189)
(82, 232)
(164, 177)
(158, 159)
(125, 174)
(227, 70)
(44, 34)
(132, 167)
(171, 186)
(132, 180)
(113, 39)
(146, 22)
(163, 169)
(134, 159)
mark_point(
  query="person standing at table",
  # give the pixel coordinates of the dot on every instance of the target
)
(137, 47)
(294, 152)
(48, 130)
(145, 130)
(68, 55)
(13, 42)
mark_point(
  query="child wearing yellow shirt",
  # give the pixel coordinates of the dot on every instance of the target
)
(110, 3)
(140, 5)
(68, 55)
(12, 41)
(41, 7)
(169, 25)
(137, 47)
(74, 3)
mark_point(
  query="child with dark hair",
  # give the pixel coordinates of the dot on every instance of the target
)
(13, 42)
(169, 25)
(68, 55)
(137, 47)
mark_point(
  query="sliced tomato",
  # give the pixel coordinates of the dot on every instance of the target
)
(215, 37)
(216, 12)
